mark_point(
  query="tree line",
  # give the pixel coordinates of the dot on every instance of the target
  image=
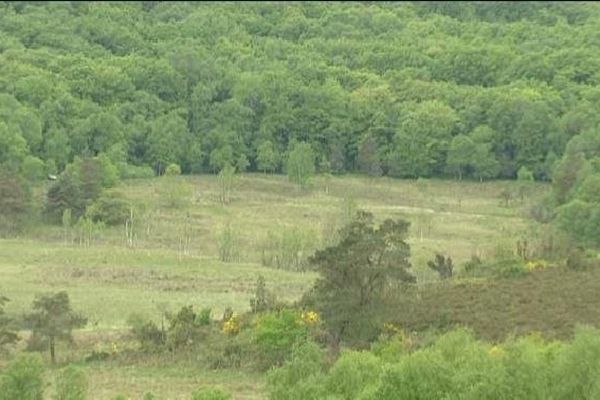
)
(421, 89)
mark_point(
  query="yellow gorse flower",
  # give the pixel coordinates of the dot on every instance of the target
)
(392, 329)
(231, 326)
(496, 351)
(535, 264)
(310, 317)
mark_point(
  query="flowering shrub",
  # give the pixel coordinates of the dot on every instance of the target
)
(310, 318)
(231, 326)
(535, 265)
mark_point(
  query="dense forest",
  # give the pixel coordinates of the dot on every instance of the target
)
(423, 89)
(468, 90)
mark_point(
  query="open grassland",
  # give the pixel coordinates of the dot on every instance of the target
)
(108, 281)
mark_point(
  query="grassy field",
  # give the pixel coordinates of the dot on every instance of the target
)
(108, 280)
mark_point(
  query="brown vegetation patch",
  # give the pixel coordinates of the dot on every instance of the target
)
(551, 301)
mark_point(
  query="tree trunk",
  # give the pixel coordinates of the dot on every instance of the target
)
(52, 351)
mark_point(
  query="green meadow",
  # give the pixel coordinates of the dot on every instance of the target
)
(108, 280)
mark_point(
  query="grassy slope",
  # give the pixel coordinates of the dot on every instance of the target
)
(108, 281)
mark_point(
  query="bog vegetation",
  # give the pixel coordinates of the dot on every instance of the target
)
(206, 196)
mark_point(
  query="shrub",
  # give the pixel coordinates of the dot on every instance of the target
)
(173, 193)
(301, 377)
(147, 333)
(15, 201)
(231, 325)
(111, 208)
(288, 249)
(172, 170)
(263, 299)
(210, 394)
(575, 373)
(472, 266)
(86, 230)
(353, 374)
(276, 334)
(128, 171)
(33, 168)
(203, 317)
(65, 194)
(71, 384)
(183, 328)
(110, 172)
(527, 362)
(228, 245)
(231, 351)
(22, 379)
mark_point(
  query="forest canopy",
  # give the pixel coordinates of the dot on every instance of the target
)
(407, 89)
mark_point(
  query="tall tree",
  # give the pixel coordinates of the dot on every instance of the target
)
(460, 155)
(368, 157)
(52, 320)
(15, 201)
(355, 273)
(422, 140)
(300, 165)
(266, 158)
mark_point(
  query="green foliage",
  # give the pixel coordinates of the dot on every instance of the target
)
(576, 365)
(263, 299)
(423, 137)
(229, 246)
(147, 333)
(64, 194)
(266, 157)
(23, 379)
(442, 265)
(173, 170)
(203, 317)
(144, 78)
(368, 159)
(15, 202)
(288, 249)
(242, 163)
(460, 155)
(51, 320)
(354, 375)
(71, 384)
(183, 328)
(135, 172)
(111, 208)
(580, 220)
(300, 164)
(221, 158)
(33, 168)
(566, 175)
(8, 334)
(87, 231)
(524, 174)
(210, 394)
(355, 273)
(277, 333)
(301, 377)
(226, 180)
(173, 193)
